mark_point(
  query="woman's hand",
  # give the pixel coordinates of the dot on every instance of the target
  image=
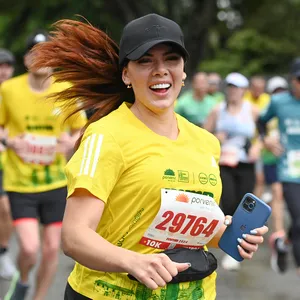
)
(65, 144)
(221, 136)
(248, 245)
(19, 145)
(155, 270)
(254, 153)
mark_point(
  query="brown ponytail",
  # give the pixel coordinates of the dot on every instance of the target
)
(87, 58)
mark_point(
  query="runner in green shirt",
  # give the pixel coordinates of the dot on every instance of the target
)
(195, 105)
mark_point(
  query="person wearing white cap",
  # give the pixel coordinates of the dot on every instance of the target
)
(237, 80)
(233, 123)
(277, 84)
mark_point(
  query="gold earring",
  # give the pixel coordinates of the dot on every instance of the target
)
(129, 86)
(182, 83)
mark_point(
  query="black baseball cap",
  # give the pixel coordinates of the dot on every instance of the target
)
(6, 57)
(35, 38)
(143, 33)
(295, 67)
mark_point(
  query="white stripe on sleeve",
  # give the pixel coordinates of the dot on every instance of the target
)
(97, 154)
(89, 156)
(85, 150)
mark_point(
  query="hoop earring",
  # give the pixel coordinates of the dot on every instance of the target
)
(182, 84)
(129, 86)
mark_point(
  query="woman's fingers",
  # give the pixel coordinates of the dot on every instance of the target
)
(249, 243)
(162, 275)
(158, 278)
(149, 283)
(260, 231)
(253, 239)
(244, 253)
(170, 266)
(157, 270)
(248, 246)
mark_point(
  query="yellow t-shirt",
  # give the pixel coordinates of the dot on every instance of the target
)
(24, 111)
(125, 164)
(261, 102)
(1, 156)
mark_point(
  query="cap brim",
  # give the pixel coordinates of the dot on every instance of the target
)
(142, 50)
(7, 61)
(234, 84)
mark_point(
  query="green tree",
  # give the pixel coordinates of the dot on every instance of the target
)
(23, 17)
(264, 39)
(265, 43)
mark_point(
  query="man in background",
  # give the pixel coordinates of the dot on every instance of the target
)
(195, 104)
(285, 107)
(39, 141)
(7, 268)
(258, 97)
(214, 85)
(275, 85)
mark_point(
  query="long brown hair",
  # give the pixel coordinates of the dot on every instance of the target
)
(88, 58)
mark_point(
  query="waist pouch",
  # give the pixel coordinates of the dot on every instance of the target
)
(203, 263)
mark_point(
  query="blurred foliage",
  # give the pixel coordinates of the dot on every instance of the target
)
(265, 41)
(250, 52)
(265, 44)
(17, 21)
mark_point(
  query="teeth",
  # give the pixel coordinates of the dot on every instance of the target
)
(160, 86)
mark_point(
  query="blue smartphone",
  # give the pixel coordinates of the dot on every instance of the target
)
(250, 214)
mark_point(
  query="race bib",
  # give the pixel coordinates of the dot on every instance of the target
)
(40, 149)
(293, 160)
(229, 156)
(185, 219)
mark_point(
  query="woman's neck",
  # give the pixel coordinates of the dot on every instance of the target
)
(163, 123)
(39, 83)
(234, 106)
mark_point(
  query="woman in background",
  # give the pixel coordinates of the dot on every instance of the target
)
(233, 123)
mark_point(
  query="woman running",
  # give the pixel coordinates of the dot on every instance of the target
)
(143, 180)
(233, 123)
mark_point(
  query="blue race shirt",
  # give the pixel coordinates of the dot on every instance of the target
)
(286, 108)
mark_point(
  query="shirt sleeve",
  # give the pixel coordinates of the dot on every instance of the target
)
(217, 151)
(96, 165)
(3, 110)
(269, 112)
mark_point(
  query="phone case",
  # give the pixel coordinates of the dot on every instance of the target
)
(244, 220)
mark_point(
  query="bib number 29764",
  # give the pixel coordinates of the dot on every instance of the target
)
(183, 223)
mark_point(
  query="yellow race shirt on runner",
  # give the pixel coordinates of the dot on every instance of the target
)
(158, 194)
(41, 121)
